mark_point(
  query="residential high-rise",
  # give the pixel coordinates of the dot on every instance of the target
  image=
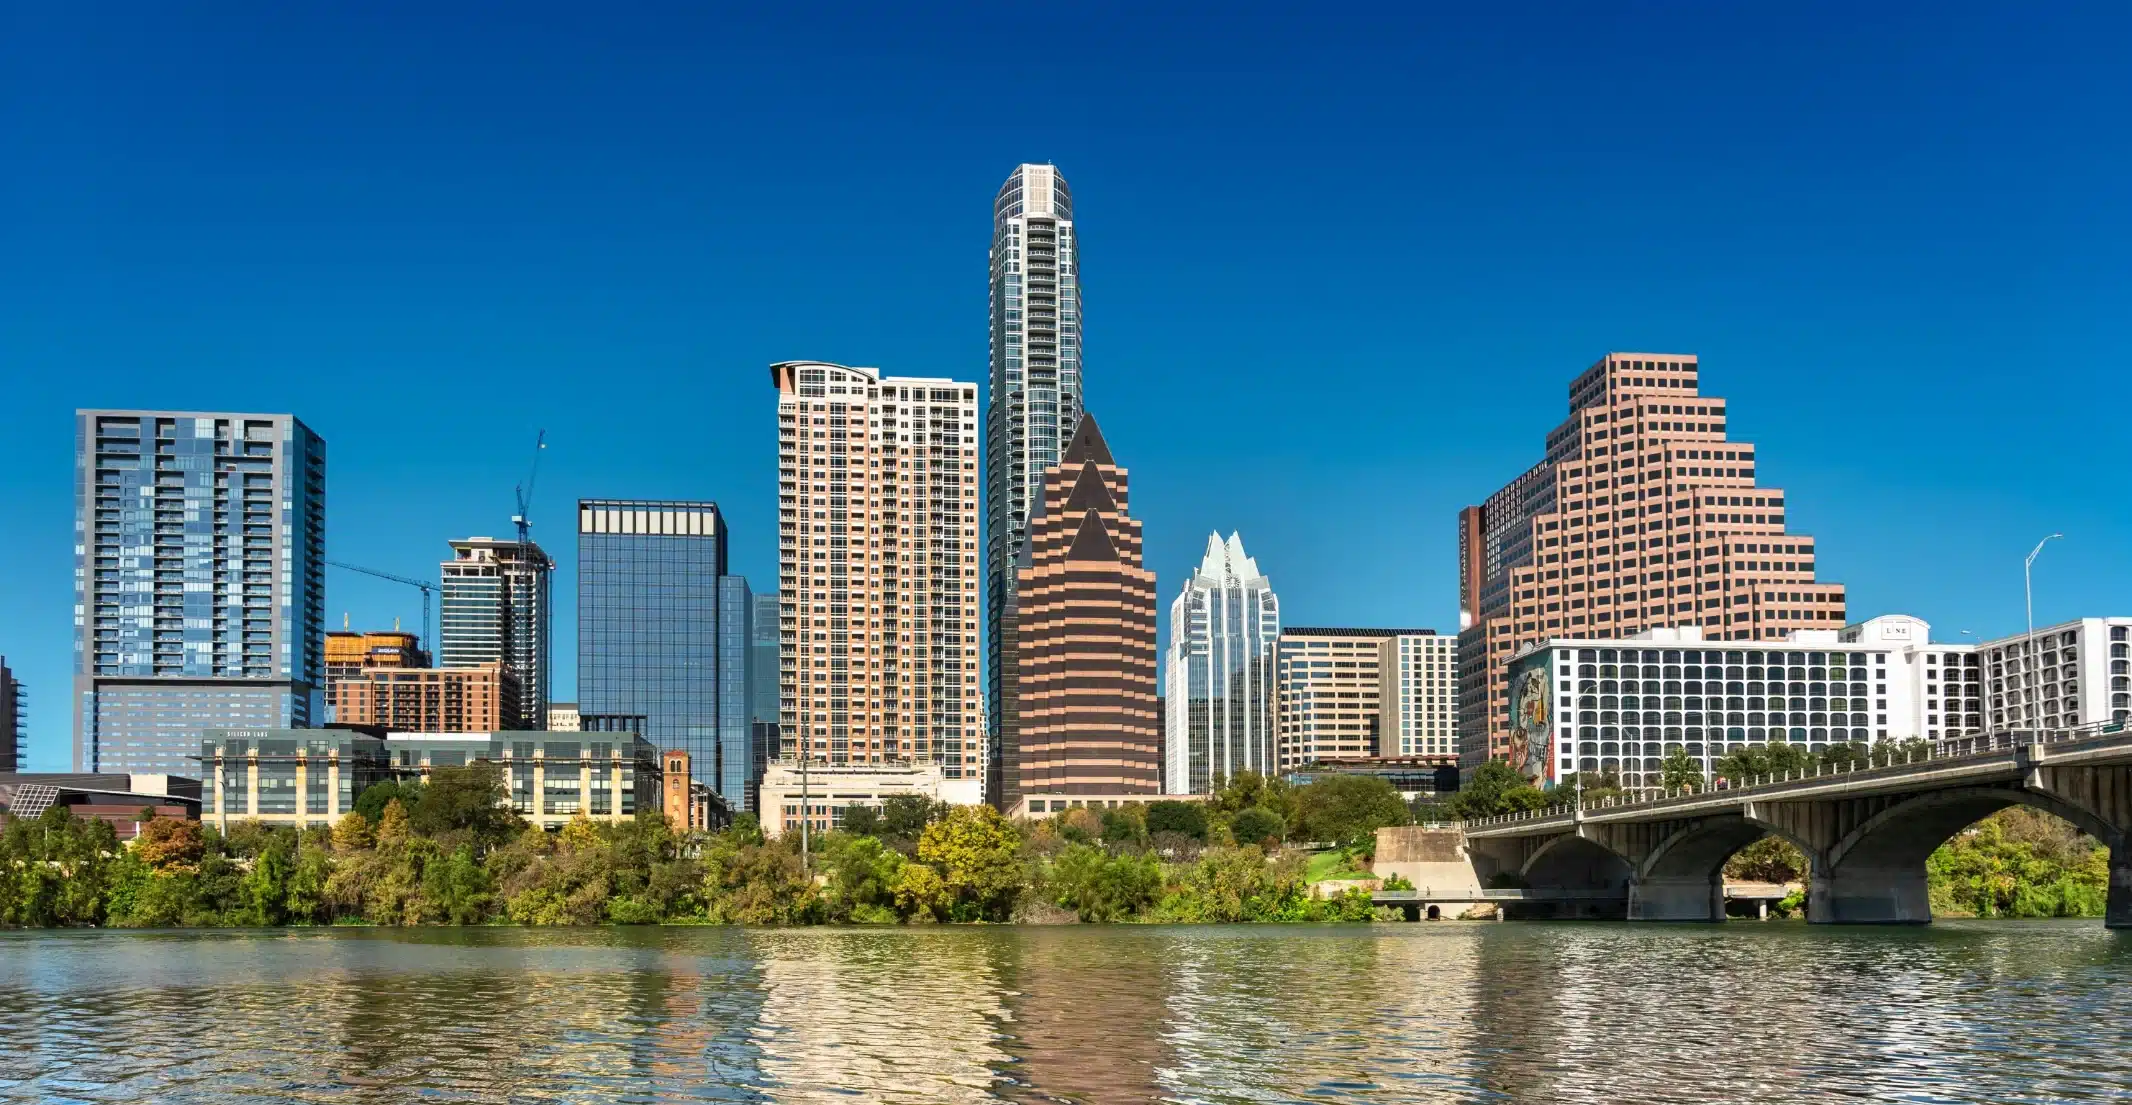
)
(479, 699)
(1352, 693)
(1641, 516)
(14, 730)
(1082, 715)
(494, 607)
(2060, 676)
(199, 582)
(1035, 399)
(1218, 672)
(877, 562)
(662, 633)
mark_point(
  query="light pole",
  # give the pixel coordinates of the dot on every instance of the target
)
(2031, 678)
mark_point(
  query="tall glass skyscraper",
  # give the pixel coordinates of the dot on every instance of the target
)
(665, 635)
(1035, 401)
(199, 582)
(1218, 672)
(495, 607)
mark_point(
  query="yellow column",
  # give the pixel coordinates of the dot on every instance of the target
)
(333, 788)
(584, 785)
(540, 785)
(303, 788)
(221, 800)
(614, 789)
(251, 784)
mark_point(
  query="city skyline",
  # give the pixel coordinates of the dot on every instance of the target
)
(1810, 268)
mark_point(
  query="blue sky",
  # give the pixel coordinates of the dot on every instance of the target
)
(1339, 269)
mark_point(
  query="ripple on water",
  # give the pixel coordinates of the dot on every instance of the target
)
(1960, 1012)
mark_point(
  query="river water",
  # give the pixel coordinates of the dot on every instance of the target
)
(1452, 1012)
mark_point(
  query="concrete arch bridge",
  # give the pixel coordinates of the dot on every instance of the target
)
(1865, 832)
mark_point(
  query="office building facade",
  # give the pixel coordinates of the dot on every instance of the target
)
(479, 699)
(1035, 400)
(1218, 672)
(664, 633)
(1642, 515)
(878, 569)
(1343, 694)
(1081, 716)
(494, 607)
(199, 581)
(563, 718)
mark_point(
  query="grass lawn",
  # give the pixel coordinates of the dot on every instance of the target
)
(1335, 864)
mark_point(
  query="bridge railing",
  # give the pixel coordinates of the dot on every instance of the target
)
(1972, 746)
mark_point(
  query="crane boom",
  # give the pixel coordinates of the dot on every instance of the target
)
(524, 492)
(422, 585)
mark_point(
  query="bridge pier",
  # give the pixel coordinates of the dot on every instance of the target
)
(1677, 898)
(2118, 913)
(1868, 895)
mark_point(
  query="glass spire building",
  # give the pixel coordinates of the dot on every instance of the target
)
(1035, 399)
(665, 645)
(1218, 671)
(199, 582)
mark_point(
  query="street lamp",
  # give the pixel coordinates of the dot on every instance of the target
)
(2032, 684)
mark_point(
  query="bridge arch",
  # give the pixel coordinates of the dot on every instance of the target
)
(1875, 872)
(1574, 862)
(1910, 830)
(1700, 848)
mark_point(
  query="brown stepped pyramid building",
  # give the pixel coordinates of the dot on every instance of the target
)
(1644, 520)
(1080, 718)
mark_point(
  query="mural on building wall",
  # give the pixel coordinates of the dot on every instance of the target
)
(1532, 720)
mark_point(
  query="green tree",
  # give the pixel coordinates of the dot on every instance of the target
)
(472, 799)
(1680, 771)
(371, 803)
(755, 884)
(393, 829)
(860, 880)
(1098, 886)
(861, 819)
(1182, 818)
(1762, 759)
(1770, 859)
(167, 844)
(1346, 809)
(1498, 788)
(976, 853)
(1246, 789)
(354, 833)
(905, 816)
(1590, 787)
(306, 901)
(1125, 825)
(457, 887)
(1257, 825)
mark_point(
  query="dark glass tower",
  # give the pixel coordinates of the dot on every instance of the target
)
(663, 635)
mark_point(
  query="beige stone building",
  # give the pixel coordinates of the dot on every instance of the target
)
(1346, 693)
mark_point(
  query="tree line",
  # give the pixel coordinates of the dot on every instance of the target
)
(450, 851)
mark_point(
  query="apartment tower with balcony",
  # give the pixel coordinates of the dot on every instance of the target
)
(1641, 515)
(878, 569)
(1035, 400)
(199, 582)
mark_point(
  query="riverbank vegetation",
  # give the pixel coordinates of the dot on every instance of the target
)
(449, 852)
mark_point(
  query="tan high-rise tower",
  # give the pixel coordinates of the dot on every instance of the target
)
(878, 569)
(1081, 716)
(1641, 516)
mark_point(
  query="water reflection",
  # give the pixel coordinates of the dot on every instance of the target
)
(1428, 1013)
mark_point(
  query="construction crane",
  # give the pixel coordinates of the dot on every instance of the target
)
(422, 585)
(523, 519)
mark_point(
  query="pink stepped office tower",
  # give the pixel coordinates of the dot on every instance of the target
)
(1642, 516)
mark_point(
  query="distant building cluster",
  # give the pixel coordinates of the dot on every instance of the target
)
(964, 612)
